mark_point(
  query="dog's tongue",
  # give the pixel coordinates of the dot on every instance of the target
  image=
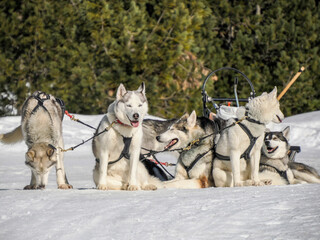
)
(135, 123)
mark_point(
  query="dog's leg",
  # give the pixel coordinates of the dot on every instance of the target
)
(235, 166)
(60, 172)
(222, 178)
(134, 159)
(102, 171)
(44, 180)
(33, 182)
(254, 163)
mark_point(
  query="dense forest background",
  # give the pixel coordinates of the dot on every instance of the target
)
(80, 51)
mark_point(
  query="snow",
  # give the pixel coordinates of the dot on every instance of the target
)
(270, 212)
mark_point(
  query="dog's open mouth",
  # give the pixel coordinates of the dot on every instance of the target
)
(171, 143)
(134, 123)
(271, 150)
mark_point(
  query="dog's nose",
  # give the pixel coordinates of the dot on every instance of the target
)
(267, 143)
(136, 116)
(158, 138)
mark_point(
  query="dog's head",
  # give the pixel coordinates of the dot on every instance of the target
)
(181, 133)
(41, 157)
(276, 144)
(131, 106)
(266, 108)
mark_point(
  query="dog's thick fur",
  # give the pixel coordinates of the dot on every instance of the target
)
(275, 163)
(41, 129)
(234, 141)
(179, 135)
(124, 118)
(274, 159)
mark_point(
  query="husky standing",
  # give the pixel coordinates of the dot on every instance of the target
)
(117, 150)
(194, 167)
(41, 129)
(275, 163)
(238, 150)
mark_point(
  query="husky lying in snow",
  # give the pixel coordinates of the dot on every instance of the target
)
(194, 166)
(117, 150)
(238, 149)
(41, 128)
(275, 164)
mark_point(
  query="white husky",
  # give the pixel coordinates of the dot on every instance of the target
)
(41, 128)
(238, 150)
(117, 150)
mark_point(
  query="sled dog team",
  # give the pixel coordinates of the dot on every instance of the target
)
(239, 151)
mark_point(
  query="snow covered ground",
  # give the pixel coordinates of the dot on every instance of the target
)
(271, 212)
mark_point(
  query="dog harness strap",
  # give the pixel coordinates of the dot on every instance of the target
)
(198, 157)
(283, 174)
(246, 154)
(125, 151)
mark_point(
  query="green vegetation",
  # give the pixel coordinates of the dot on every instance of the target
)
(80, 51)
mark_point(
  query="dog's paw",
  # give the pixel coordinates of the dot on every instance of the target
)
(30, 187)
(132, 187)
(149, 187)
(266, 181)
(65, 186)
(238, 184)
(102, 187)
(258, 183)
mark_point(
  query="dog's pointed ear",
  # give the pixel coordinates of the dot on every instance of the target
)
(31, 154)
(50, 150)
(273, 93)
(142, 88)
(286, 132)
(192, 119)
(121, 92)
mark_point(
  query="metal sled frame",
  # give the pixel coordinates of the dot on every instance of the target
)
(207, 99)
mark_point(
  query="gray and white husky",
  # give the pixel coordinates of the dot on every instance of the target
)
(194, 166)
(275, 163)
(41, 129)
(238, 149)
(117, 150)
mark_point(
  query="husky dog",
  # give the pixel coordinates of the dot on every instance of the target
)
(275, 163)
(194, 165)
(151, 129)
(117, 150)
(41, 129)
(238, 150)
(274, 158)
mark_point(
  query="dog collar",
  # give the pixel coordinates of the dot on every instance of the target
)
(118, 121)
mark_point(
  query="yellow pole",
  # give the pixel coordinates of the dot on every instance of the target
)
(290, 83)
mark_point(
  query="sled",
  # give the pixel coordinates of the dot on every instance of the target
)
(217, 102)
(224, 106)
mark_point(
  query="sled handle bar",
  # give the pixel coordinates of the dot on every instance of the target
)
(206, 98)
(228, 68)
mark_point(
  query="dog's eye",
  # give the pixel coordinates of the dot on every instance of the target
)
(129, 105)
(140, 105)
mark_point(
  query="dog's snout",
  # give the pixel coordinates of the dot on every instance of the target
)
(158, 138)
(267, 143)
(136, 116)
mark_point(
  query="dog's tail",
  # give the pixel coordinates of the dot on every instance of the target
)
(12, 137)
(194, 183)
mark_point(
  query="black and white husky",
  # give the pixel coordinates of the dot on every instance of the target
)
(41, 129)
(276, 166)
(194, 166)
(117, 150)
